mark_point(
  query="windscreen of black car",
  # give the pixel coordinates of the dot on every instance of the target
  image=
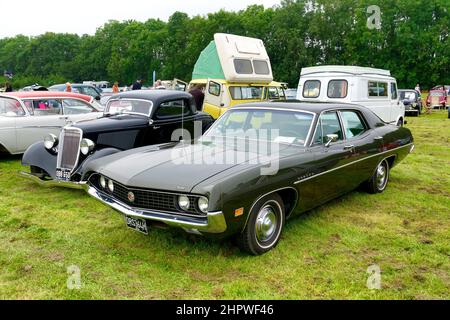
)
(290, 127)
(143, 107)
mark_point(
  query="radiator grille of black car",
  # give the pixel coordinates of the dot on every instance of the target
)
(149, 199)
(69, 148)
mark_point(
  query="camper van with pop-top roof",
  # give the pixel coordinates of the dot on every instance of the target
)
(234, 70)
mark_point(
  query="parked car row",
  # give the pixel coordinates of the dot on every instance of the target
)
(132, 160)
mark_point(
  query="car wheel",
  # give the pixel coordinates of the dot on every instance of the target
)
(400, 123)
(379, 181)
(264, 226)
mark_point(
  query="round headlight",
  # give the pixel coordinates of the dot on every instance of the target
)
(203, 204)
(183, 202)
(50, 141)
(86, 146)
(103, 182)
(111, 186)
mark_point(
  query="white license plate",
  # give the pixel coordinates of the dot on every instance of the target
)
(139, 225)
(63, 174)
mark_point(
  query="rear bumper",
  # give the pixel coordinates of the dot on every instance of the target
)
(214, 222)
(54, 183)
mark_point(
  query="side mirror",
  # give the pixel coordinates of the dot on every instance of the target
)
(331, 138)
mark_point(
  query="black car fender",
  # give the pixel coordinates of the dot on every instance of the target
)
(94, 156)
(38, 156)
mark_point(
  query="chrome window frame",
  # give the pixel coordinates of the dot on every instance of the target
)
(131, 99)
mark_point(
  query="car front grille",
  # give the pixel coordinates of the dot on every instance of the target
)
(149, 199)
(69, 148)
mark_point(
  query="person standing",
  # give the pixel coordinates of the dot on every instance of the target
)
(199, 97)
(8, 87)
(417, 88)
(115, 88)
(137, 85)
(68, 87)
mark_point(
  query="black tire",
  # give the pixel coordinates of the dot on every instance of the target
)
(400, 123)
(264, 226)
(380, 178)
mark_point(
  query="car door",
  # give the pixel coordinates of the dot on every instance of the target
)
(10, 111)
(361, 144)
(397, 108)
(168, 117)
(331, 176)
(213, 99)
(77, 110)
(46, 117)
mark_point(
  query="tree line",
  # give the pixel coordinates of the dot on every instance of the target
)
(412, 41)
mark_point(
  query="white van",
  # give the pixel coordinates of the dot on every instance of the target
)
(373, 88)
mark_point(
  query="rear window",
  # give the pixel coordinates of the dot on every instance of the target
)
(311, 89)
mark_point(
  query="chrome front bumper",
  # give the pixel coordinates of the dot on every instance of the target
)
(214, 222)
(54, 183)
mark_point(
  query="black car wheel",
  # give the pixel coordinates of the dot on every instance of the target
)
(264, 226)
(379, 181)
(400, 123)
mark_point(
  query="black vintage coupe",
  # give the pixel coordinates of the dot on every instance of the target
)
(258, 165)
(131, 120)
(412, 101)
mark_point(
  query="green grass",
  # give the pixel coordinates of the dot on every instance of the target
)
(323, 254)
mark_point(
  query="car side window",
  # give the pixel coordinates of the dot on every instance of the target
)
(175, 108)
(311, 89)
(394, 94)
(44, 107)
(273, 93)
(353, 124)
(74, 106)
(214, 88)
(328, 123)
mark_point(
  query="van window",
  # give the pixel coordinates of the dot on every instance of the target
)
(246, 93)
(337, 89)
(378, 89)
(243, 66)
(261, 67)
(311, 89)
(394, 94)
(272, 93)
(214, 88)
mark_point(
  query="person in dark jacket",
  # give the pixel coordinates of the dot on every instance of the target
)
(199, 97)
(137, 85)
(8, 87)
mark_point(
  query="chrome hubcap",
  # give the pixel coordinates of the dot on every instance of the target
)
(381, 176)
(266, 224)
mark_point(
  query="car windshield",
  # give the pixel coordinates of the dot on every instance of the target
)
(407, 95)
(289, 127)
(10, 108)
(143, 107)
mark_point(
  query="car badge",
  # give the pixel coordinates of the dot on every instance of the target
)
(131, 196)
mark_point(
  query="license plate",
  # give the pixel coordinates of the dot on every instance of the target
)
(139, 225)
(63, 174)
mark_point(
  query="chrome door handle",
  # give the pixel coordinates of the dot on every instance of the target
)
(156, 128)
(350, 147)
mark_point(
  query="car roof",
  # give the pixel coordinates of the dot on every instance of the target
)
(296, 105)
(156, 96)
(72, 85)
(47, 94)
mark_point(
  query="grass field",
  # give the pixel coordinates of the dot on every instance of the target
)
(324, 254)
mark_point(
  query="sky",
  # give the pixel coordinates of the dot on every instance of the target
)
(32, 18)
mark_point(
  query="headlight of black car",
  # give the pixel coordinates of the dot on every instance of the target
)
(86, 146)
(50, 141)
(203, 204)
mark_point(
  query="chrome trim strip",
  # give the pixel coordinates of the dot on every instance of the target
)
(214, 222)
(349, 164)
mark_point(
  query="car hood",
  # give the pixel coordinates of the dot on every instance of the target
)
(177, 169)
(113, 123)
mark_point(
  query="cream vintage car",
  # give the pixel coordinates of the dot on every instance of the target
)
(27, 117)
